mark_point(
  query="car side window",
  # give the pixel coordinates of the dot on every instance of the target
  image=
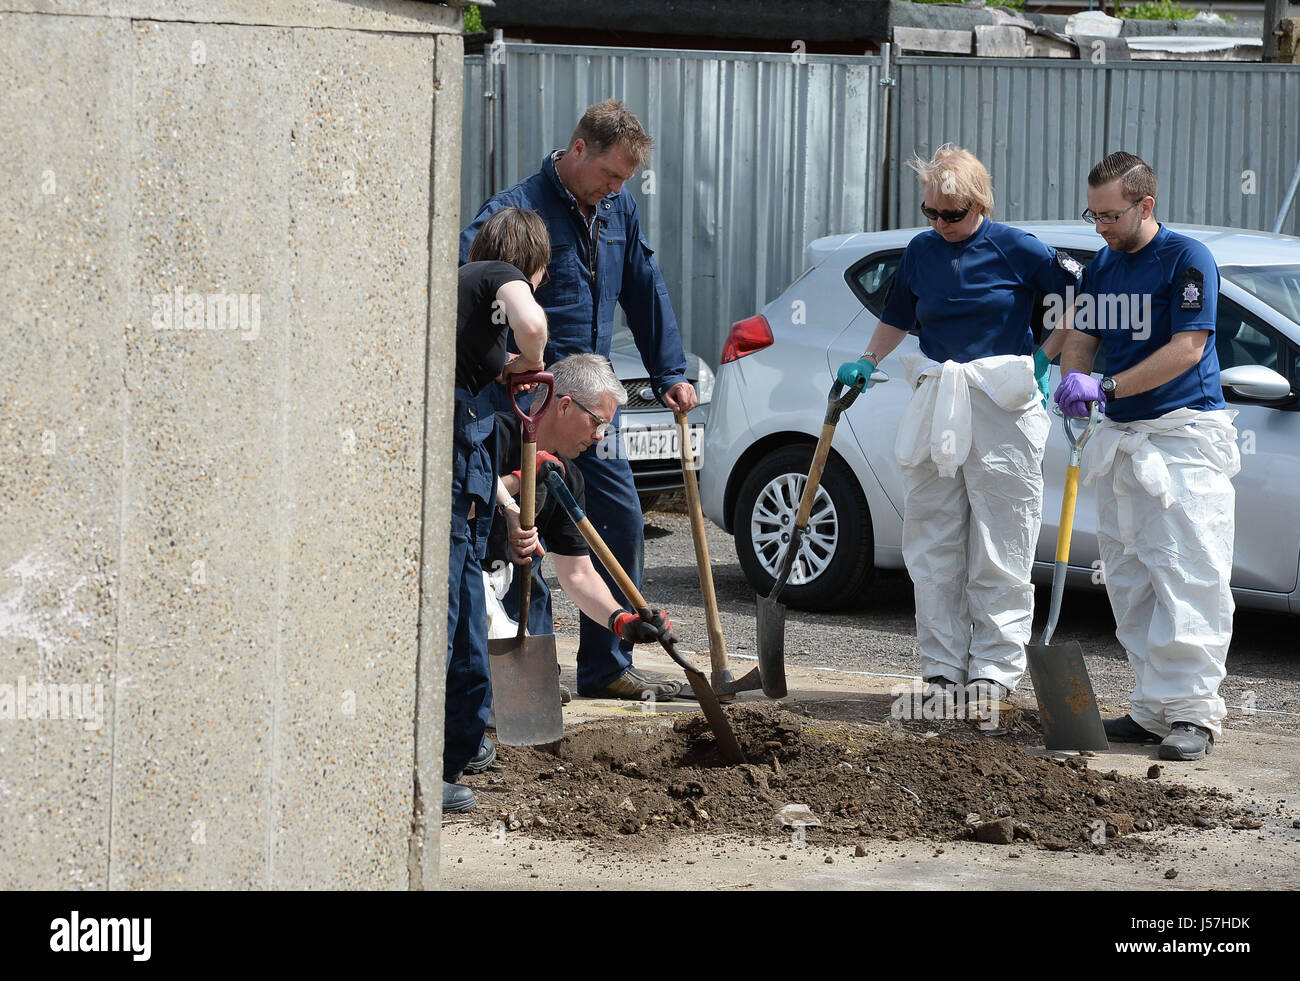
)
(1242, 338)
(870, 278)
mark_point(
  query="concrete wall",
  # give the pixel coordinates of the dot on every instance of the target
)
(216, 312)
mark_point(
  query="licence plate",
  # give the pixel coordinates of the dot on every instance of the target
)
(658, 442)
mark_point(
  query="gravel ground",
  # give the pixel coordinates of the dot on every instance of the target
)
(880, 637)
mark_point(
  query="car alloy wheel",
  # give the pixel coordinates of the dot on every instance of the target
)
(772, 523)
(835, 559)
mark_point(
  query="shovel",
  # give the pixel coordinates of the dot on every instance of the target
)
(725, 685)
(525, 674)
(704, 694)
(1066, 702)
(771, 614)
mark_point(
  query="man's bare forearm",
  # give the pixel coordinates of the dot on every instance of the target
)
(1163, 365)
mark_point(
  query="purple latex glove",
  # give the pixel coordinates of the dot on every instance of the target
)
(1076, 391)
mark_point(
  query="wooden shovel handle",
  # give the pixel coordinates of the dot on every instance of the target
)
(717, 645)
(815, 474)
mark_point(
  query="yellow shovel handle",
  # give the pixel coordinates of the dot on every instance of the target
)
(1067, 514)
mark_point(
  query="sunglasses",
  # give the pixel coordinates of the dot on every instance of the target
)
(546, 278)
(951, 217)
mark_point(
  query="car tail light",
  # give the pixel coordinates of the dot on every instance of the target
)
(747, 336)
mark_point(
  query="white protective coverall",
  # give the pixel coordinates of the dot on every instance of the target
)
(1165, 523)
(971, 450)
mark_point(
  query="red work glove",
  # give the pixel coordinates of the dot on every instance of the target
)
(629, 626)
(542, 459)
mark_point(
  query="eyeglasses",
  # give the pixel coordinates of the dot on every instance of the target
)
(601, 424)
(546, 278)
(1092, 216)
(951, 217)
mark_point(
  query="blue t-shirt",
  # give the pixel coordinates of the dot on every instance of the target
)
(976, 298)
(1136, 302)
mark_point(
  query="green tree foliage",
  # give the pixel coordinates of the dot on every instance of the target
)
(473, 20)
(1158, 10)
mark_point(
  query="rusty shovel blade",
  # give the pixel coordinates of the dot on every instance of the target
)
(1066, 703)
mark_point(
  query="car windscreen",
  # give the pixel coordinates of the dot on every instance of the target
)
(1278, 286)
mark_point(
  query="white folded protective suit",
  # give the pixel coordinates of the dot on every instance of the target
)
(938, 422)
(1212, 441)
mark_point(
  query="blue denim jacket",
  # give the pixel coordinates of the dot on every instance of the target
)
(585, 283)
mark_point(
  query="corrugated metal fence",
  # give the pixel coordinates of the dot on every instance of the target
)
(758, 154)
(755, 156)
(1223, 139)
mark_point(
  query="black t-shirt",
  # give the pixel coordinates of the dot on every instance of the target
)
(481, 343)
(559, 534)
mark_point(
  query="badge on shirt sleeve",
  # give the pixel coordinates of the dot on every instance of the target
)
(1069, 263)
(1192, 292)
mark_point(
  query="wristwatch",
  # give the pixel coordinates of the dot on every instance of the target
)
(870, 356)
(1108, 386)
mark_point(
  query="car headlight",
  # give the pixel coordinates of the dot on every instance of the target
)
(704, 384)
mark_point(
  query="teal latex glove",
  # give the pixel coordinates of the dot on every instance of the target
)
(1041, 364)
(852, 371)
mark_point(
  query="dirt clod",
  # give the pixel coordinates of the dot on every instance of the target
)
(633, 780)
(1171, 874)
(999, 832)
(1153, 771)
(859, 852)
(1119, 824)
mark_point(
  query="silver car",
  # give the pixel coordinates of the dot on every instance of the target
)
(648, 433)
(770, 397)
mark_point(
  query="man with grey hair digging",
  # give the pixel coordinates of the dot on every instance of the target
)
(587, 393)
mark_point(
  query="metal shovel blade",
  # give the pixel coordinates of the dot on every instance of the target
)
(712, 708)
(1066, 702)
(526, 690)
(771, 646)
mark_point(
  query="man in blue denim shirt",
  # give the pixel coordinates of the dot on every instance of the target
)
(598, 258)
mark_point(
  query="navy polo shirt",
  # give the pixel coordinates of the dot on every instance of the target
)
(976, 298)
(1135, 303)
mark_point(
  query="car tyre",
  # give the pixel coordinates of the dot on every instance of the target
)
(840, 536)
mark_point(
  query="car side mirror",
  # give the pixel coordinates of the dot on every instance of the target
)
(1254, 381)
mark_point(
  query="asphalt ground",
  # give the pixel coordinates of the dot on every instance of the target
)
(1262, 688)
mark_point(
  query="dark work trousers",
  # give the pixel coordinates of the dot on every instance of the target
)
(469, 690)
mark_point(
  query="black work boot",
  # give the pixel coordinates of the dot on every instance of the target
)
(484, 758)
(1187, 741)
(457, 799)
(941, 699)
(1125, 730)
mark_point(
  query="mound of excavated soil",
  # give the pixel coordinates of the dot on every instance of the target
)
(650, 776)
